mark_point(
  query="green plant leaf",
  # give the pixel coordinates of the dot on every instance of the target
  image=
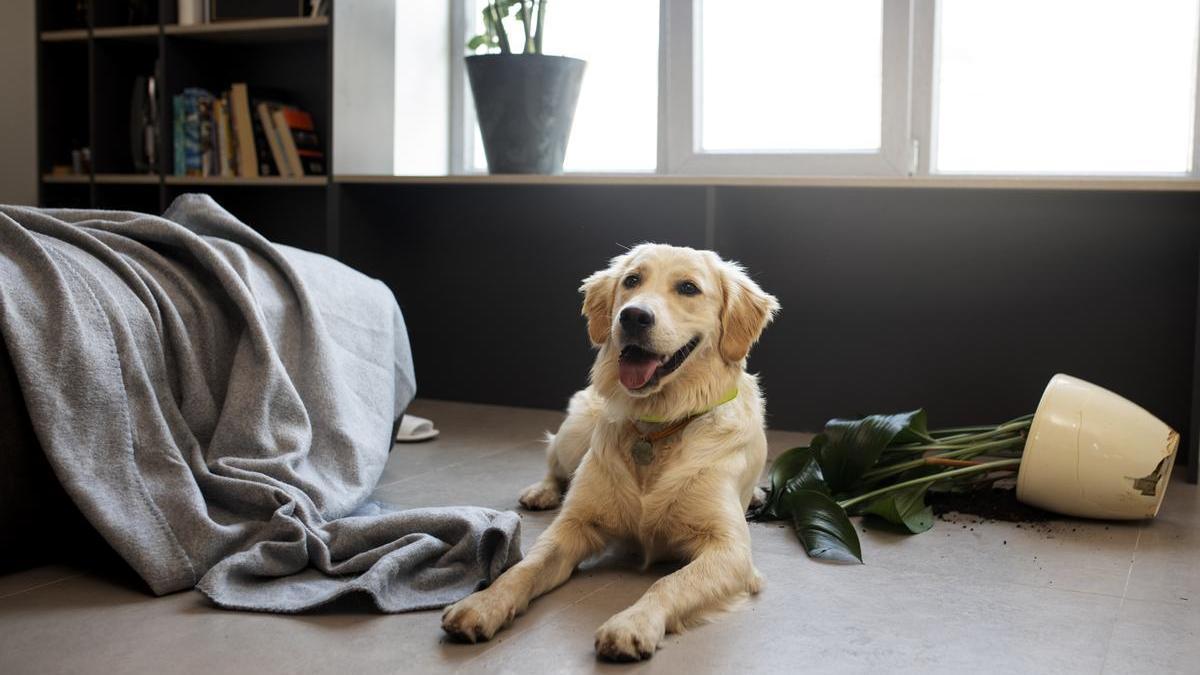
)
(847, 448)
(478, 41)
(905, 508)
(823, 527)
(796, 469)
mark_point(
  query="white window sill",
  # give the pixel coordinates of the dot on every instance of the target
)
(1135, 184)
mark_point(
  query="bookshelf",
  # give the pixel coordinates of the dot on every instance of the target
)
(90, 53)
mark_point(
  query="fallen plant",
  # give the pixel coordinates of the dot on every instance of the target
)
(882, 466)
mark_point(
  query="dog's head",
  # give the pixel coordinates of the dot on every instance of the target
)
(669, 317)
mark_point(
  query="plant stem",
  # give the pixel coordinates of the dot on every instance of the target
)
(498, 22)
(956, 446)
(942, 433)
(959, 453)
(950, 431)
(527, 20)
(978, 468)
(942, 461)
(541, 19)
(1019, 424)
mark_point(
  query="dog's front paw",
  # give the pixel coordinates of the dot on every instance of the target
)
(477, 617)
(631, 635)
(540, 496)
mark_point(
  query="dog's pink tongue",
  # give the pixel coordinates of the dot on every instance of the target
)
(636, 373)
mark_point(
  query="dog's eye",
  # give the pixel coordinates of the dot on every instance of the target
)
(687, 288)
(632, 280)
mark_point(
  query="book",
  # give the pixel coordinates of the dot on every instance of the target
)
(225, 148)
(191, 134)
(205, 146)
(262, 150)
(178, 113)
(243, 130)
(265, 110)
(300, 143)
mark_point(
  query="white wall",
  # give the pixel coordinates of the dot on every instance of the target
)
(391, 86)
(364, 85)
(18, 103)
(422, 121)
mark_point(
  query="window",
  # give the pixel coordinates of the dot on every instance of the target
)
(787, 87)
(807, 79)
(870, 87)
(616, 121)
(1069, 86)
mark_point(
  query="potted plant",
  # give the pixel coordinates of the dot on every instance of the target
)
(525, 101)
(1085, 452)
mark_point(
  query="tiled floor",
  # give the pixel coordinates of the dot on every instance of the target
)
(1070, 597)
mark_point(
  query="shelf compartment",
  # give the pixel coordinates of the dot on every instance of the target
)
(66, 195)
(121, 14)
(294, 73)
(63, 120)
(129, 197)
(57, 16)
(117, 66)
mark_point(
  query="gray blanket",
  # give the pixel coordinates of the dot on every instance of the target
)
(220, 408)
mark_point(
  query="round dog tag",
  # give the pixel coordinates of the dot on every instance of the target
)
(643, 451)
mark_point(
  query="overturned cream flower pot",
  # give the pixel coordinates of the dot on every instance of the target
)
(1094, 454)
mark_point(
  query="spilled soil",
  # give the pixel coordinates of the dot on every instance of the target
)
(988, 504)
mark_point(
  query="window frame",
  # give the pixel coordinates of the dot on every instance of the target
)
(682, 75)
(908, 116)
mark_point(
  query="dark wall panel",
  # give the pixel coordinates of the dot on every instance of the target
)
(487, 275)
(966, 302)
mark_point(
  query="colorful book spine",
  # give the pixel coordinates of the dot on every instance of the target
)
(178, 112)
(191, 134)
(204, 117)
(300, 141)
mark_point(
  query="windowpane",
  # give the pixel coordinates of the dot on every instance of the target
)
(791, 75)
(616, 121)
(1065, 86)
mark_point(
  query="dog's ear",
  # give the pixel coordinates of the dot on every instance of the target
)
(747, 311)
(598, 291)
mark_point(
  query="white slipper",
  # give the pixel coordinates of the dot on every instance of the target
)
(413, 429)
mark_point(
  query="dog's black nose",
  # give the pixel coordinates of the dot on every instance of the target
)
(635, 320)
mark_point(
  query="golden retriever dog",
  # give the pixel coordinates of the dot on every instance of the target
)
(662, 451)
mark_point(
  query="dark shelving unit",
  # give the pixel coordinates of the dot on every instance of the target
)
(90, 53)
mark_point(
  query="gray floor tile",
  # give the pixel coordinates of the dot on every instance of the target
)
(1155, 637)
(468, 431)
(20, 582)
(1166, 567)
(1181, 505)
(992, 598)
(1067, 555)
(493, 480)
(843, 619)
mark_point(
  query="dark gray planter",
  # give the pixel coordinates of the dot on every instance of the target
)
(525, 104)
